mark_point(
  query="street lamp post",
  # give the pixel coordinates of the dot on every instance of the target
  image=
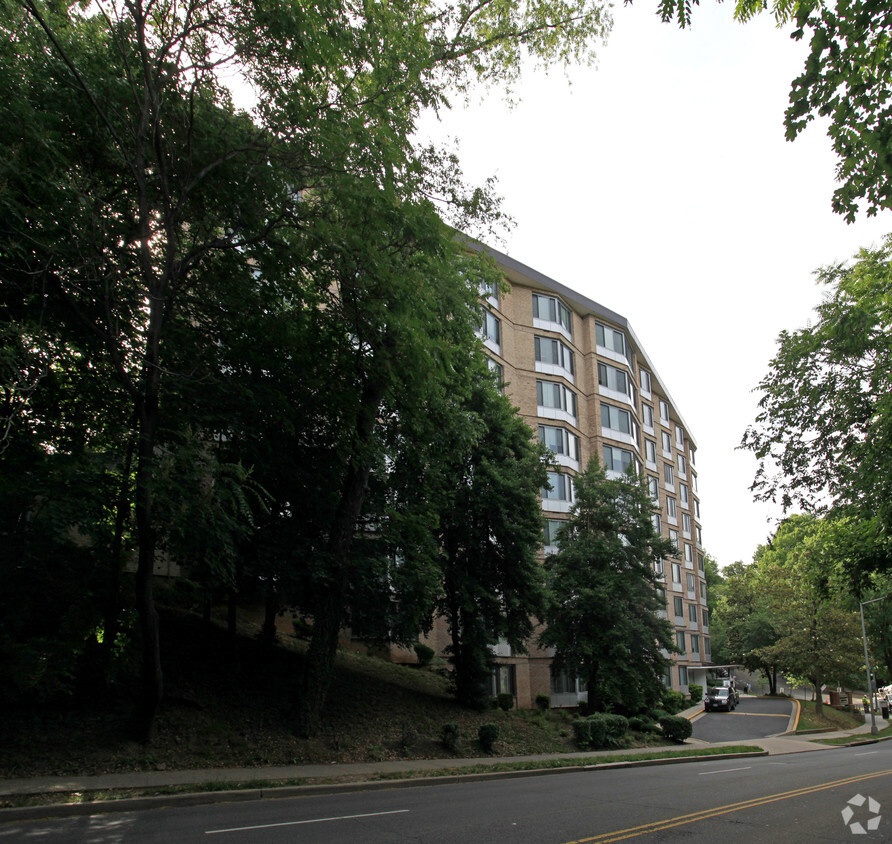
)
(873, 719)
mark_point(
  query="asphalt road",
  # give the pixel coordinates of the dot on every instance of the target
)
(753, 718)
(801, 797)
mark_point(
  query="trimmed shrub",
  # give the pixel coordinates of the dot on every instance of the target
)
(488, 735)
(674, 702)
(606, 729)
(582, 733)
(696, 692)
(449, 736)
(506, 701)
(675, 728)
(424, 653)
(543, 703)
(656, 714)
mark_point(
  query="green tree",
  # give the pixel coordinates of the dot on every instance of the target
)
(746, 624)
(490, 532)
(819, 637)
(824, 429)
(603, 601)
(846, 81)
(133, 191)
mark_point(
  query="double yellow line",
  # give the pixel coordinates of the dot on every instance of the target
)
(705, 814)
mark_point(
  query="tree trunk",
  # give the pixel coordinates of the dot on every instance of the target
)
(330, 604)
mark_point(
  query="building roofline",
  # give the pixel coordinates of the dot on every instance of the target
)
(534, 278)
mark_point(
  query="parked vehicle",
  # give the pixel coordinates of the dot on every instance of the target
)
(723, 697)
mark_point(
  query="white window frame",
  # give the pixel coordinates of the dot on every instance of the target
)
(551, 314)
(557, 360)
(566, 410)
(568, 445)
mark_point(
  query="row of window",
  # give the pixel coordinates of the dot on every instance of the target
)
(682, 640)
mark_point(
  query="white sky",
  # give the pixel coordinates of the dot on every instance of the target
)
(660, 185)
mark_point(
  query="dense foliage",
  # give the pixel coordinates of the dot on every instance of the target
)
(602, 618)
(229, 335)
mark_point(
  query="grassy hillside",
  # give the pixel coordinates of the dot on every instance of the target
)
(228, 707)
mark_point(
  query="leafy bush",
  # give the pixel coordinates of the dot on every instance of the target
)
(675, 728)
(656, 714)
(449, 736)
(582, 733)
(424, 653)
(673, 702)
(543, 703)
(696, 692)
(642, 724)
(506, 701)
(488, 735)
(606, 729)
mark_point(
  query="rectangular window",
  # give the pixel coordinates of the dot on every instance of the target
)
(650, 451)
(561, 487)
(610, 338)
(503, 680)
(703, 589)
(671, 508)
(683, 675)
(664, 412)
(559, 441)
(692, 613)
(692, 584)
(682, 466)
(497, 370)
(667, 443)
(491, 329)
(617, 419)
(686, 525)
(676, 573)
(658, 570)
(683, 495)
(705, 616)
(653, 489)
(668, 474)
(688, 553)
(618, 459)
(679, 436)
(550, 309)
(551, 527)
(679, 640)
(657, 522)
(614, 379)
(554, 352)
(707, 649)
(679, 606)
(695, 643)
(647, 415)
(701, 562)
(645, 382)
(673, 538)
(553, 395)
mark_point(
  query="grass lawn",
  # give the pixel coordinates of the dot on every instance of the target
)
(830, 719)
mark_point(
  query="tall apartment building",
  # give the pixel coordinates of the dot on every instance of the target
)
(580, 376)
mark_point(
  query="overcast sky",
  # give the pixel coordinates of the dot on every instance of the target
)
(660, 185)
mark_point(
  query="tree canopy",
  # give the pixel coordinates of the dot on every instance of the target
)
(824, 429)
(163, 252)
(846, 79)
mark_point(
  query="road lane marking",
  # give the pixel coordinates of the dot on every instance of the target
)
(311, 820)
(716, 811)
(723, 771)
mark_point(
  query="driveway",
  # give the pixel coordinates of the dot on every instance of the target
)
(755, 717)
